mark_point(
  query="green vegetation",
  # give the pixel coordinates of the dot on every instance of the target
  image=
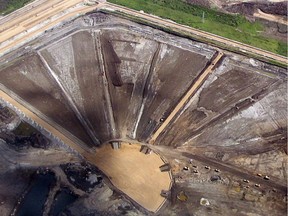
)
(8, 6)
(194, 37)
(282, 48)
(235, 27)
(24, 129)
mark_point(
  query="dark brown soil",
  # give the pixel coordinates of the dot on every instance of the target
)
(231, 87)
(126, 86)
(248, 8)
(29, 79)
(222, 94)
(90, 83)
(172, 76)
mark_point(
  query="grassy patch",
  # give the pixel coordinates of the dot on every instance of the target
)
(8, 6)
(234, 27)
(194, 37)
(24, 129)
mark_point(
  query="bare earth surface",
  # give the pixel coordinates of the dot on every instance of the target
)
(100, 77)
(134, 173)
(270, 17)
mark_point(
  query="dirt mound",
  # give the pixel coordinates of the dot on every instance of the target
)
(244, 8)
(248, 8)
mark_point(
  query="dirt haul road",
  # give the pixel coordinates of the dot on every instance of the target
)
(16, 30)
(270, 17)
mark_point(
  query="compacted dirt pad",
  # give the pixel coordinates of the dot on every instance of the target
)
(134, 173)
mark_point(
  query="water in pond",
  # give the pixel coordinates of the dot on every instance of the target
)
(63, 198)
(34, 200)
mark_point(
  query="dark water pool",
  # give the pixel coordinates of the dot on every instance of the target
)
(63, 198)
(34, 200)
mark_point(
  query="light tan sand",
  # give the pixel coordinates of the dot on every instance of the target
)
(134, 173)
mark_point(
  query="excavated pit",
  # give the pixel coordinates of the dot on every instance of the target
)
(101, 78)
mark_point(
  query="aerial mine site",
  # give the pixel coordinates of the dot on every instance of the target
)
(114, 108)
